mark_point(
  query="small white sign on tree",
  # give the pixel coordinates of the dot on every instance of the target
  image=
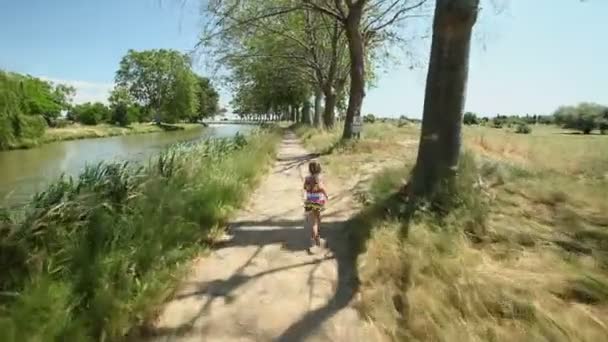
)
(357, 124)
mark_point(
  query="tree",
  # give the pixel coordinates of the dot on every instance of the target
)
(40, 97)
(120, 101)
(90, 113)
(470, 119)
(360, 26)
(602, 121)
(309, 43)
(440, 139)
(584, 117)
(367, 24)
(208, 98)
(161, 81)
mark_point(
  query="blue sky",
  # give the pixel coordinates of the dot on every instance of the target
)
(530, 57)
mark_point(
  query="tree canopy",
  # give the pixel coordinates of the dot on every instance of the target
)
(163, 84)
(27, 105)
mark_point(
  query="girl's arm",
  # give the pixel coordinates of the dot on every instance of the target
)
(322, 189)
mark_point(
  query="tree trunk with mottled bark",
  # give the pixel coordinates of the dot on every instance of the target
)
(329, 114)
(356, 48)
(318, 119)
(440, 139)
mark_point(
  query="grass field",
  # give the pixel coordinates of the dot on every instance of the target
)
(524, 258)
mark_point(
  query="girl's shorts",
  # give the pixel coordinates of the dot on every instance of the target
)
(313, 206)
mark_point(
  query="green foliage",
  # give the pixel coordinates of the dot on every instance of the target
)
(470, 118)
(163, 83)
(93, 256)
(369, 118)
(23, 99)
(120, 102)
(523, 128)
(208, 98)
(90, 113)
(182, 102)
(584, 117)
(120, 115)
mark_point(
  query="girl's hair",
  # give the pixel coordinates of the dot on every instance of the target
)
(314, 168)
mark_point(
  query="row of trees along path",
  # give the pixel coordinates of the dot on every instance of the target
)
(262, 285)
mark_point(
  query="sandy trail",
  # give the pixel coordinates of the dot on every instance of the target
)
(263, 285)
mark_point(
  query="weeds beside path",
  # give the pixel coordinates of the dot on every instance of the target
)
(263, 285)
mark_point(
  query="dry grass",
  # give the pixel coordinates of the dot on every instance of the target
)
(538, 268)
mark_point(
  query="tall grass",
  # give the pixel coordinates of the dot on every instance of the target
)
(483, 272)
(91, 257)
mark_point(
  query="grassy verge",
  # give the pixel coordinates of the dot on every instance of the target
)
(524, 256)
(92, 257)
(77, 131)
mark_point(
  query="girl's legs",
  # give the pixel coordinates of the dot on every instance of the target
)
(316, 225)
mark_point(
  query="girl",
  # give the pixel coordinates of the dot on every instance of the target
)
(316, 197)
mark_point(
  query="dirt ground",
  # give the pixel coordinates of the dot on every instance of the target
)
(263, 284)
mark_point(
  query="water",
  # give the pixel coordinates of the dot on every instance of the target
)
(25, 172)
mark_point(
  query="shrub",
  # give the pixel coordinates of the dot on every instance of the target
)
(602, 124)
(369, 118)
(120, 115)
(470, 119)
(90, 113)
(523, 128)
(32, 126)
(583, 117)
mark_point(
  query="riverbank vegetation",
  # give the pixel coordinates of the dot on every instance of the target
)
(153, 85)
(93, 256)
(77, 131)
(27, 106)
(521, 254)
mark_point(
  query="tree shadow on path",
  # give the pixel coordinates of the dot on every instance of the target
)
(293, 237)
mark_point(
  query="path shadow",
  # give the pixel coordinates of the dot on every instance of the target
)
(292, 236)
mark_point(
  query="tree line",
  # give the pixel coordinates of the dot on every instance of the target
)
(286, 57)
(584, 117)
(157, 85)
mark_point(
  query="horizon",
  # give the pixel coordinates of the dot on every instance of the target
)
(523, 60)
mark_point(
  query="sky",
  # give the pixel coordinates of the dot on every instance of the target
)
(527, 56)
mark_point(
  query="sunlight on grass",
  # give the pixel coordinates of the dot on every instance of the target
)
(536, 268)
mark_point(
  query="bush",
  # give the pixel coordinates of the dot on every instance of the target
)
(523, 128)
(369, 118)
(90, 113)
(91, 257)
(470, 119)
(120, 115)
(583, 117)
(32, 127)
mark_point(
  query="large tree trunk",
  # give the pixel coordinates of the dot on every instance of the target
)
(329, 115)
(440, 139)
(318, 118)
(356, 48)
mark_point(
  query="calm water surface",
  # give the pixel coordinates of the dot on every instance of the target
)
(25, 172)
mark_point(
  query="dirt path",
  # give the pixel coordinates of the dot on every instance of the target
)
(263, 285)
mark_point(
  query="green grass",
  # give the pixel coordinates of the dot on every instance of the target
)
(92, 257)
(78, 131)
(524, 256)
